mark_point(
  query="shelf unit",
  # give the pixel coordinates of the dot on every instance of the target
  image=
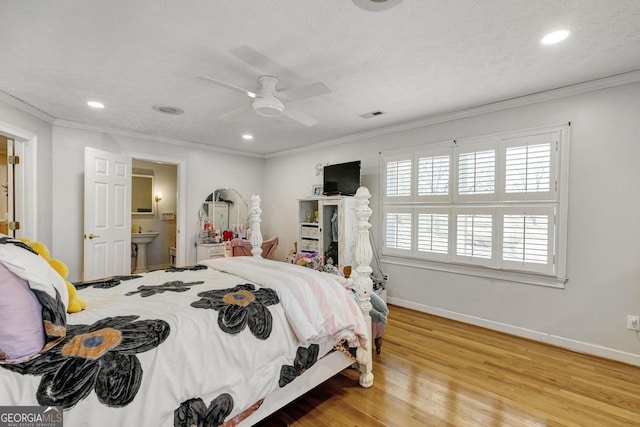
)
(316, 231)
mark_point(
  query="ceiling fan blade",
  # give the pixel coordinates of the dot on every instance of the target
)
(232, 112)
(247, 92)
(303, 92)
(300, 117)
(264, 64)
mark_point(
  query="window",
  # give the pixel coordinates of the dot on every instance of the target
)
(493, 203)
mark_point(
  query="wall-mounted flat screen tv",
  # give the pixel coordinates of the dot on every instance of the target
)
(341, 179)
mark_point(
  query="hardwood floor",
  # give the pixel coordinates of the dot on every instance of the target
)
(438, 372)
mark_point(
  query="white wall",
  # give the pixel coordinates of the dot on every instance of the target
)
(206, 171)
(603, 267)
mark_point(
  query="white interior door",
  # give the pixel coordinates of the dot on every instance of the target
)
(107, 214)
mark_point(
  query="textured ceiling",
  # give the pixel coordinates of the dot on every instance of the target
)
(412, 61)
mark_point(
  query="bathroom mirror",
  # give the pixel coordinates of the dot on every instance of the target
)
(224, 209)
(142, 194)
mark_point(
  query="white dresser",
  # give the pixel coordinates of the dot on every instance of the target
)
(213, 250)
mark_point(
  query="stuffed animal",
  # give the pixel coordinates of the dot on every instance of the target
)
(75, 304)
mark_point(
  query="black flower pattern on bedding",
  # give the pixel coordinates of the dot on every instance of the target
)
(100, 357)
(305, 358)
(107, 282)
(189, 268)
(240, 306)
(173, 286)
(194, 412)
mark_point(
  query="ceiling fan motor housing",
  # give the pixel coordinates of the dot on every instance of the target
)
(266, 104)
(269, 106)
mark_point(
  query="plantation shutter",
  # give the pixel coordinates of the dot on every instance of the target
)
(398, 178)
(474, 237)
(527, 238)
(477, 172)
(398, 231)
(433, 176)
(433, 234)
(529, 167)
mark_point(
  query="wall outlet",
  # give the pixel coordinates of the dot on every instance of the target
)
(633, 323)
(385, 277)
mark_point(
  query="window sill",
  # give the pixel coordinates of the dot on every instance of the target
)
(488, 273)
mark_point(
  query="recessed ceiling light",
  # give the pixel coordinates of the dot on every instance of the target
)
(247, 136)
(555, 37)
(95, 104)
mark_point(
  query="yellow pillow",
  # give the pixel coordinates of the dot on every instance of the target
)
(75, 304)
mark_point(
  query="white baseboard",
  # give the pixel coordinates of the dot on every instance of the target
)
(570, 344)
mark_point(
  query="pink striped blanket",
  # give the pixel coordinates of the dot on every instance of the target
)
(317, 307)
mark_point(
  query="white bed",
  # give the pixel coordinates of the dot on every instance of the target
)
(225, 343)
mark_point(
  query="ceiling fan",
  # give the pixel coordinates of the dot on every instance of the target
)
(268, 100)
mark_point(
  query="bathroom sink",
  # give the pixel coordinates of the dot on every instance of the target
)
(145, 237)
(141, 240)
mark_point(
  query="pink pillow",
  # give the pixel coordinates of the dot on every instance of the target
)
(21, 329)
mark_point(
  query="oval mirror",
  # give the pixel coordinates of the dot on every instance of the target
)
(226, 210)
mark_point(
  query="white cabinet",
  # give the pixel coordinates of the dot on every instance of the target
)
(328, 225)
(213, 250)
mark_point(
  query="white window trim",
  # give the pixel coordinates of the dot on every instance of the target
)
(557, 279)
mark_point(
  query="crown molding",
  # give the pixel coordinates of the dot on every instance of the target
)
(27, 108)
(141, 135)
(548, 95)
(534, 98)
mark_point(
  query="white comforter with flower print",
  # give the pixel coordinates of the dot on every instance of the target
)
(176, 348)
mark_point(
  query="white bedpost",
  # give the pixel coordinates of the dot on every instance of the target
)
(254, 221)
(362, 280)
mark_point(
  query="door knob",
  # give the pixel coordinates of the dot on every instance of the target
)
(91, 236)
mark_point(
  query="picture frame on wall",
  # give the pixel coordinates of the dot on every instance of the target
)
(316, 190)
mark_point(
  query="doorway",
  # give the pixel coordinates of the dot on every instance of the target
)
(153, 209)
(21, 198)
(172, 202)
(6, 184)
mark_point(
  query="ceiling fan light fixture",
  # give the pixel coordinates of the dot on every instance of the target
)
(376, 5)
(268, 106)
